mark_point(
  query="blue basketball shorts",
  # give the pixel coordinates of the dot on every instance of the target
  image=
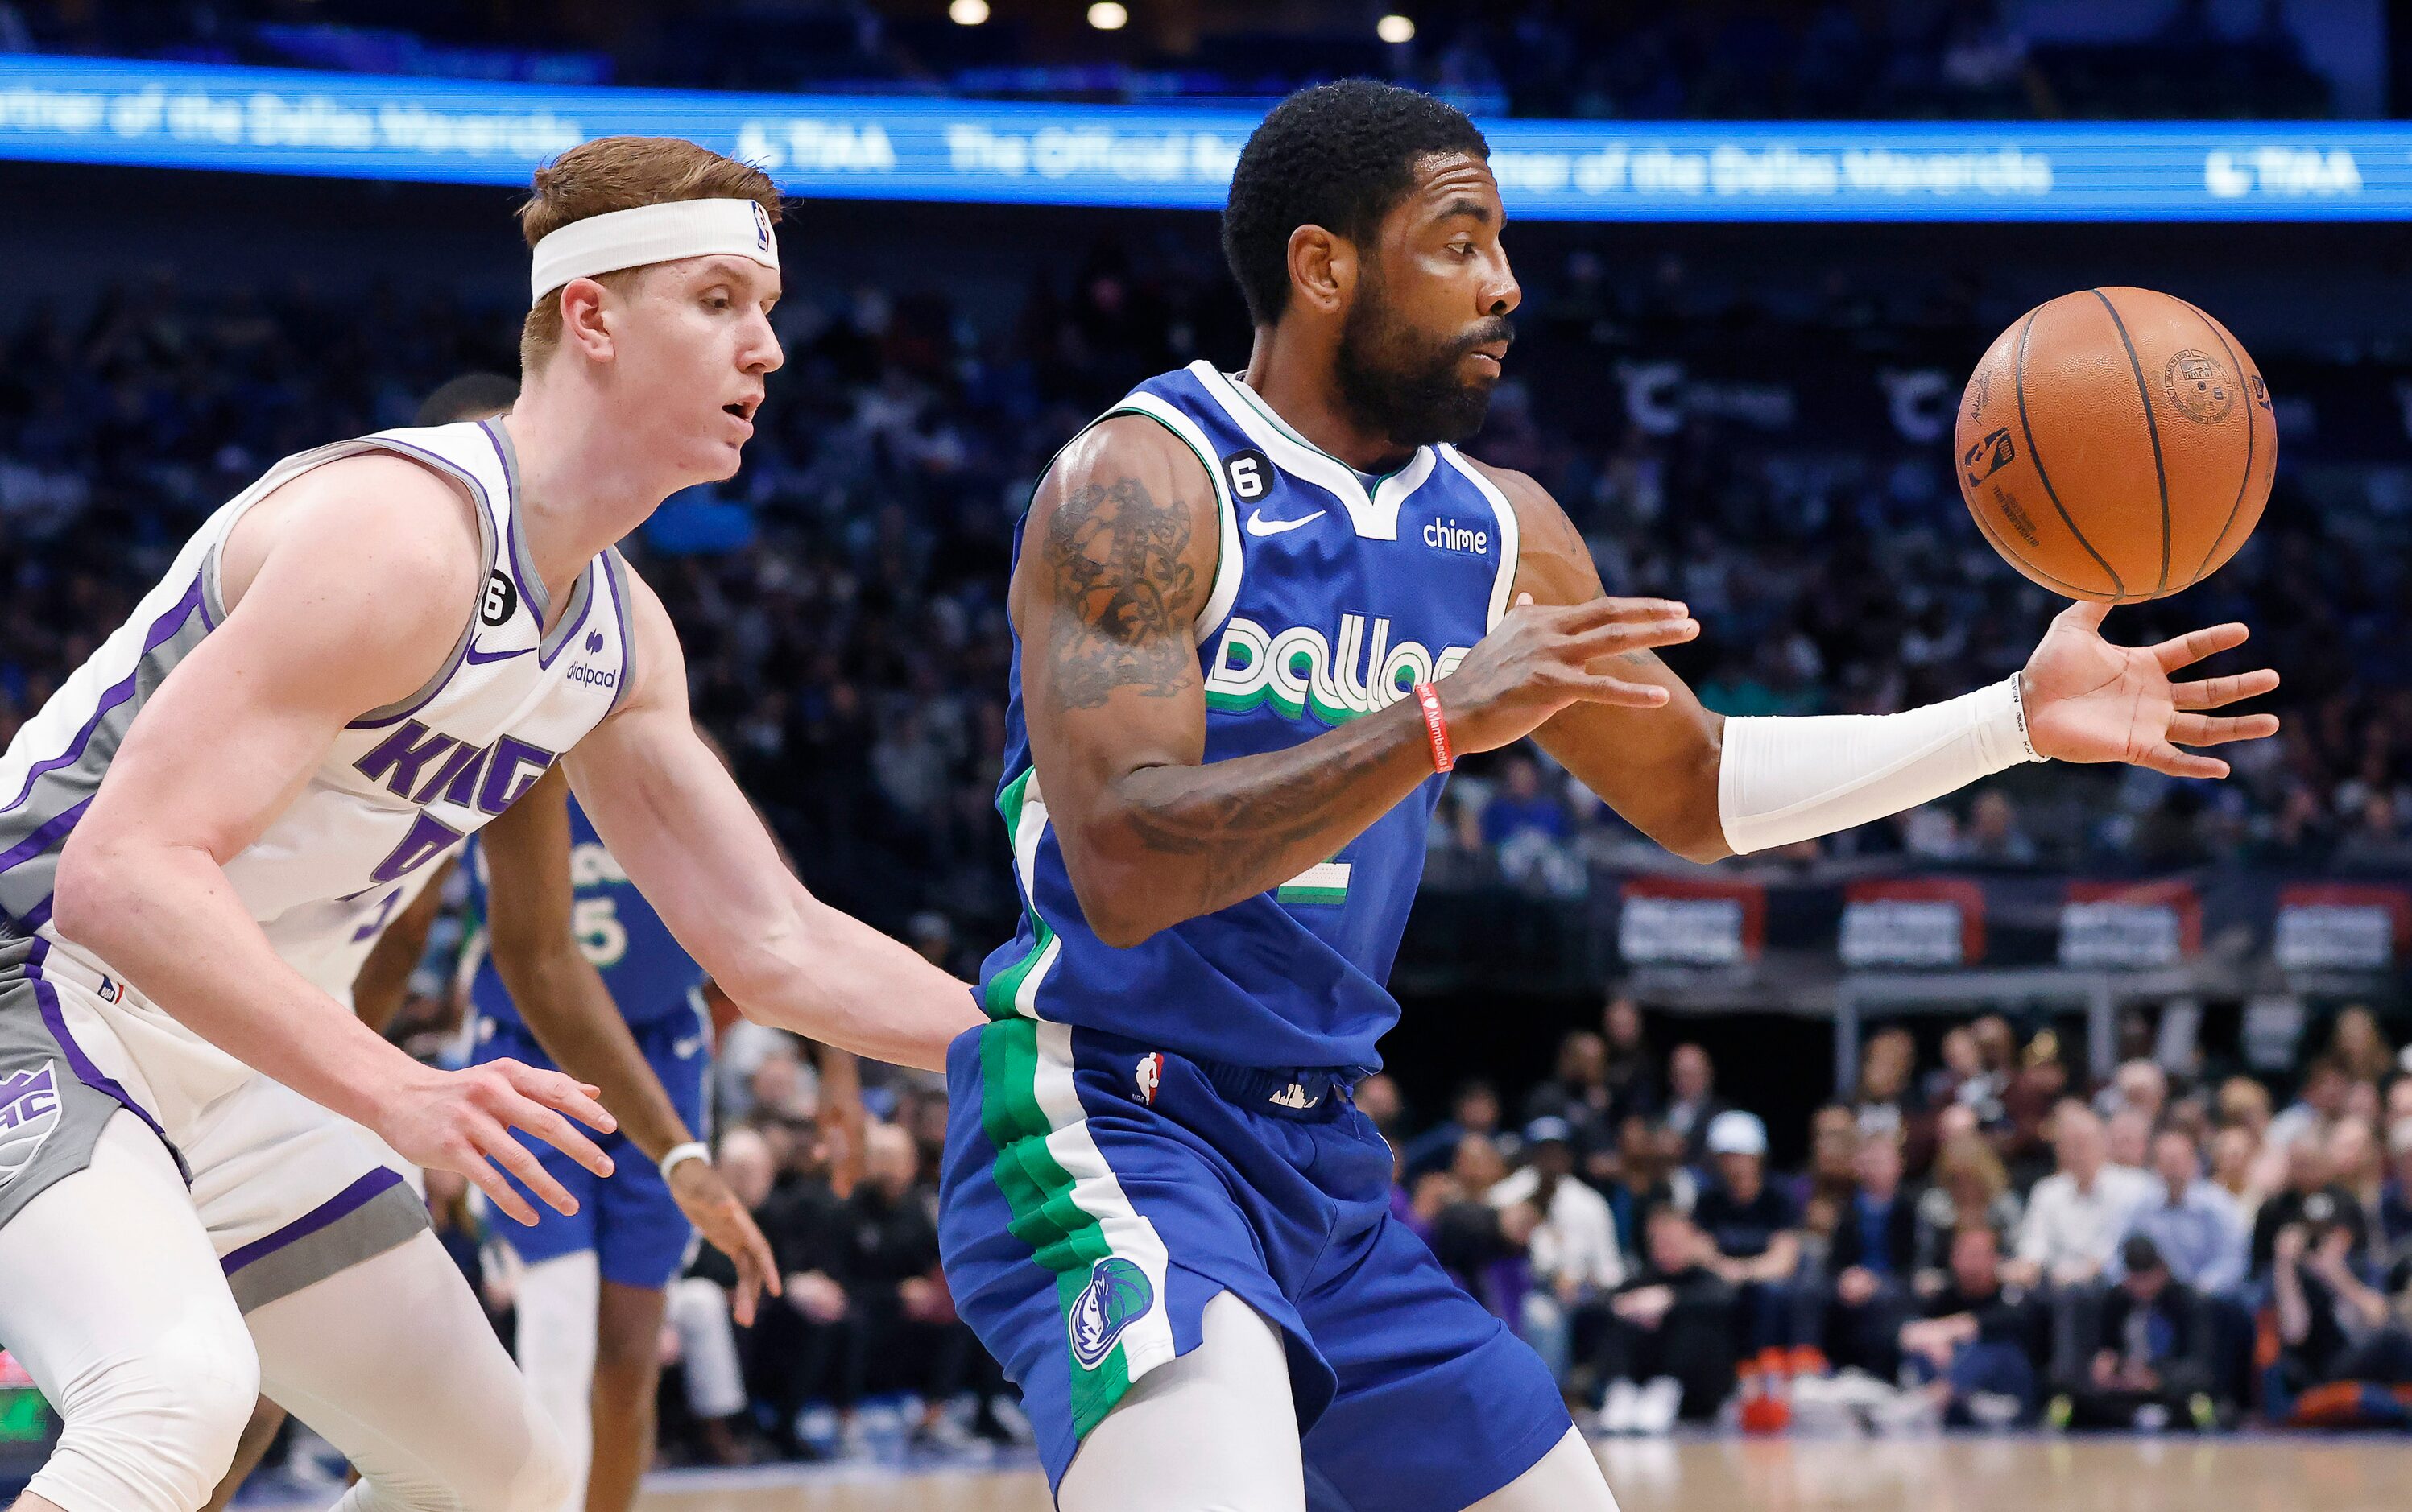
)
(1097, 1194)
(629, 1219)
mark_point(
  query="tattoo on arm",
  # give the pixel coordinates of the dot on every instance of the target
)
(1237, 831)
(1116, 560)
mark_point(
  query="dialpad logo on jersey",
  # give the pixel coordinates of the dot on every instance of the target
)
(1150, 1075)
(600, 677)
(1297, 671)
(29, 1115)
(1449, 536)
(1117, 1295)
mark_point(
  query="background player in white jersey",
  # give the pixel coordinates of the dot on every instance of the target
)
(354, 665)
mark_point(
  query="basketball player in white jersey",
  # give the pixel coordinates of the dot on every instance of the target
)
(354, 665)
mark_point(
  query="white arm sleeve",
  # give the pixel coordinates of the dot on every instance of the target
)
(1782, 780)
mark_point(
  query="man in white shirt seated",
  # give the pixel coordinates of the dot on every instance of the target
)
(2075, 1218)
(1572, 1250)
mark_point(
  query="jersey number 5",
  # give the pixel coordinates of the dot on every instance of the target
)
(601, 937)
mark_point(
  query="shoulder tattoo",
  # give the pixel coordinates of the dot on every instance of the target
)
(1115, 563)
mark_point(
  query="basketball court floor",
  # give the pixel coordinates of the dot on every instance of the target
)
(2248, 1474)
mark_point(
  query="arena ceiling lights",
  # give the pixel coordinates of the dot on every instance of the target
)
(373, 127)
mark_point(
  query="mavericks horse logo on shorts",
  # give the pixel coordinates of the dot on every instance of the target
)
(1117, 1295)
(29, 1111)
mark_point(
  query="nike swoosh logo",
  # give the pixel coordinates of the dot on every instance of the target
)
(476, 657)
(1259, 525)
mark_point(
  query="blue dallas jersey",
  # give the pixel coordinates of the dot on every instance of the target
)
(1331, 599)
(649, 975)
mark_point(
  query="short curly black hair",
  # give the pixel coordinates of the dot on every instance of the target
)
(1339, 156)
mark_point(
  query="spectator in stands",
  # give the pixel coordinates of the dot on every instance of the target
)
(1961, 1067)
(2195, 1227)
(1482, 1246)
(2075, 1216)
(2358, 1045)
(1577, 1095)
(2318, 1103)
(2310, 1198)
(2235, 1152)
(1970, 1189)
(1887, 1102)
(1692, 1100)
(1973, 1351)
(1634, 1084)
(1473, 1111)
(2139, 1084)
(2357, 1167)
(1752, 1226)
(1527, 827)
(2395, 1206)
(801, 1352)
(2041, 1083)
(1649, 1173)
(2127, 1139)
(1868, 1264)
(1822, 1191)
(1675, 1335)
(2332, 1326)
(907, 1336)
(1378, 1098)
(1571, 1254)
(2244, 1102)
(2151, 1358)
(697, 1316)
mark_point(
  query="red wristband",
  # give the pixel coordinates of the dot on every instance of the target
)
(1435, 726)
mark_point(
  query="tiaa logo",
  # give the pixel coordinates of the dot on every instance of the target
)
(1117, 1295)
(29, 1112)
(1297, 671)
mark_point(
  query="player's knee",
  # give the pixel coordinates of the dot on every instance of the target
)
(159, 1428)
(548, 1477)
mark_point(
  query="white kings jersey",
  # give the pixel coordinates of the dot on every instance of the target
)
(402, 785)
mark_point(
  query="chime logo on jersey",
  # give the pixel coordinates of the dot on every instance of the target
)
(1299, 670)
(1117, 1295)
(1150, 1075)
(29, 1112)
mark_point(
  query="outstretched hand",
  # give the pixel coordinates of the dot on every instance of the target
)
(2089, 700)
(717, 1211)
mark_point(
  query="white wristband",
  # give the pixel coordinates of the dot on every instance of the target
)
(1784, 780)
(680, 1155)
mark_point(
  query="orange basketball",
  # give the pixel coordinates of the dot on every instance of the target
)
(2116, 444)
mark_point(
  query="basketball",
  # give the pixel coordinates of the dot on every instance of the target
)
(2116, 444)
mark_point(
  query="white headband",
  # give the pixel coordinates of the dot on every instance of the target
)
(652, 233)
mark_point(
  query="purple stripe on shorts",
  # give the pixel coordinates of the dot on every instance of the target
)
(39, 841)
(350, 1199)
(56, 1019)
(163, 629)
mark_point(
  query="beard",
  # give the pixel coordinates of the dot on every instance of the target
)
(1401, 383)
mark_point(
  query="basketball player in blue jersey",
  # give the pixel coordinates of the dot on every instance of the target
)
(1257, 616)
(354, 665)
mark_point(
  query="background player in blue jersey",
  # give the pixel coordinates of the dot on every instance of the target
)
(1256, 617)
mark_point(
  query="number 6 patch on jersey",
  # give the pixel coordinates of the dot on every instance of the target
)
(1250, 473)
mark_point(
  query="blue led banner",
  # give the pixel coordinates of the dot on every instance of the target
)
(354, 125)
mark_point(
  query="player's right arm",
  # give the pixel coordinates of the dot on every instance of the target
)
(349, 586)
(1118, 558)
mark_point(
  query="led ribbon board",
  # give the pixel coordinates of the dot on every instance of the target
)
(375, 127)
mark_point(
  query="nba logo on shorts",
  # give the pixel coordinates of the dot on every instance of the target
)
(1117, 1295)
(29, 1111)
(1150, 1077)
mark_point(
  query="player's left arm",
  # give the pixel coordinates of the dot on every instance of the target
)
(677, 821)
(1707, 787)
(530, 908)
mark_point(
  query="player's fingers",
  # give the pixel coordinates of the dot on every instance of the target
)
(499, 1192)
(1605, 610)
(520, 1162)
(556, 1131)
(2218, 692)
(2086, 614)
(1638, 635)
(2193, 646)
(2203, 729)
(2169, 759)
(553, 1089)
(1619, 693)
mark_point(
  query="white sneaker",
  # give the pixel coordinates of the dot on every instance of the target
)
(1996, 1410)
(1654, 1413)
(1623, 1402)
